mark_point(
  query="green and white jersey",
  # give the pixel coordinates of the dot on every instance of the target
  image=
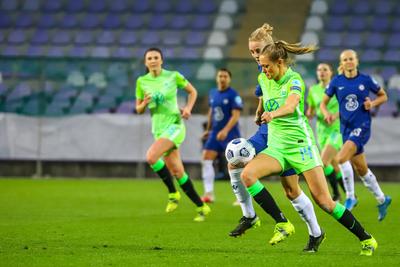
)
(314, 99)
(163, 105)
(292, 130)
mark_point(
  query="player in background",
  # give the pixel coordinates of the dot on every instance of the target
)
(225, 106)
(291, 142)
(352, 90)
(328, 136)
(301, 203)
(157, 90)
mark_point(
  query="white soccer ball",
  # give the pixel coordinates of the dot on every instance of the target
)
(239, 151)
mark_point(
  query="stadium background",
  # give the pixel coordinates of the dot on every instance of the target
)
(68, 73)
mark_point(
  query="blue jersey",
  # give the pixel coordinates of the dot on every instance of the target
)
(222, 103)
(351, 94)
(263, 129)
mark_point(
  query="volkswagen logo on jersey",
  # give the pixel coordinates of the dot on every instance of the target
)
(352, 103)
(271, 105)
(361, 87)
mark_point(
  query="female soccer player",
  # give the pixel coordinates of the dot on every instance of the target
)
(290, 139)
(352, 90)
(222, 127)
(157, 90)
(329, 137)
(301, 203)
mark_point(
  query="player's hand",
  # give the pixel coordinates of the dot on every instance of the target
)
(186, 113)
(146, 100)
(221, 136)
(205, 135)
(330, 118)
(368, 104)
(267, 117)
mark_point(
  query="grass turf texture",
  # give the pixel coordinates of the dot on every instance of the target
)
(66, 222)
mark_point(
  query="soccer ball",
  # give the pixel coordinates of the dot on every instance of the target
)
(239, 151)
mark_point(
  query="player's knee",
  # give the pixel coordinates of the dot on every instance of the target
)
(151, 157)
(248, 177)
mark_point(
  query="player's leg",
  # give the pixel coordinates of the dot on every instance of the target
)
(304, 207)
(339, 176)
(264, 165)
(348, 150)
(327, 155)
(249, 218)
(368, 178)
(319, 190)
(153, 157)
(208, 173)
(175, 165)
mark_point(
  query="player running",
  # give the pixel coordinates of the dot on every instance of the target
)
(352, 90)
(291, 143)
(329, 137)
(301, 203)
(157, 90)
(222, 126)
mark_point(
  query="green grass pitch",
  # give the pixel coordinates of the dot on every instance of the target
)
(90, 222)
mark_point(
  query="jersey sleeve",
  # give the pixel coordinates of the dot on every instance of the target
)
(331, 89)
(237, 102)
(210, 95)
(258, 91)
(295, 86)
(373, 85)
(139, 90)
(181, 81)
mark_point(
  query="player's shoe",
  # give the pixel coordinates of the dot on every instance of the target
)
(208, 198)
(281, 232)
(350, 203)
(202, 212)
(314, 242)
(368, 247)
(173, 201)
(245, 224)
(382, 208)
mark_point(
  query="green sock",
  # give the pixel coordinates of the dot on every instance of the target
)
(161, 169)
(187, 187)
(347, 219)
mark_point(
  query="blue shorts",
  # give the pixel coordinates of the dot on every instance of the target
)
(259, 141)
(358, 136)
(219, 146)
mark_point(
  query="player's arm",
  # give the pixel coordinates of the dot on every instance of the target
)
(208, 127)
(329, 117)
(192, 96)
(259, 111)
(235, 115)
(381, 97)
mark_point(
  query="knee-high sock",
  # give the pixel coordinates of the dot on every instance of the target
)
(208, 174)
(265, 200)
(348, 178)
(241, 193)
(161, 169)
(302, 204)
(187, 187)
(347, 219)
(339, 178)
(371, 183)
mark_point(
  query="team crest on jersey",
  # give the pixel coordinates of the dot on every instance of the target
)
(356, 132)
(361, 87)
(352, 103)
(225, 101)
(283, 93)
(271, 105)
(238, 100)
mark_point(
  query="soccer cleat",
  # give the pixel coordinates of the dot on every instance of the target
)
(382, 208)
(314, 242)
(245, 224)
(173, 201)
(368, 247)
(281, 232)
(202, 212)
(350, 203)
